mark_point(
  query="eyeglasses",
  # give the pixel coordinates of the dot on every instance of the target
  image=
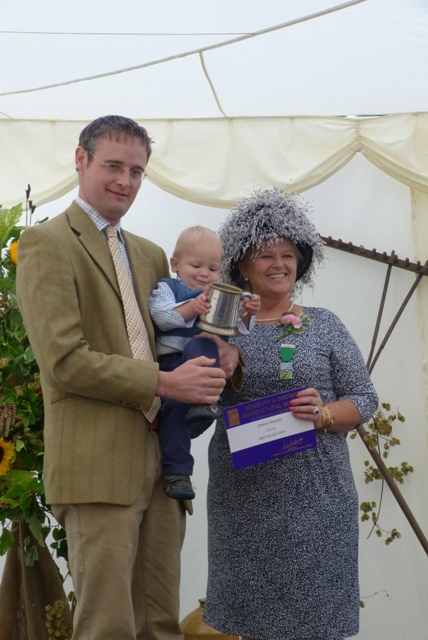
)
(115, 169)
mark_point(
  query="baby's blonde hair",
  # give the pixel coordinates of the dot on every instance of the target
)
(193, 235)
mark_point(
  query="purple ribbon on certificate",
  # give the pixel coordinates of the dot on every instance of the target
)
(264, 429)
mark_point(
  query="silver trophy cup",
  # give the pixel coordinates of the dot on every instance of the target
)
(223, 316)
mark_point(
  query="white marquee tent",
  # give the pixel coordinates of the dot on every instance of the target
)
(244, 95)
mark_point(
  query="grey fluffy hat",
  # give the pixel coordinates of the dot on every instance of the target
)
(269, 216)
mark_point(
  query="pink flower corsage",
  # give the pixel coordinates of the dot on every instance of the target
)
(292, 324)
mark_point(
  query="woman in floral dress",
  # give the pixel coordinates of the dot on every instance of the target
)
(283, 534)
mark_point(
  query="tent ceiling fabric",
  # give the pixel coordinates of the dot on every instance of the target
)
(223, 118)
(217, 161)
(350, 61)
(365, 59)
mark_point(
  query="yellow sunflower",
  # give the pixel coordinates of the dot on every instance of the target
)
(13, 251)
(7, 451)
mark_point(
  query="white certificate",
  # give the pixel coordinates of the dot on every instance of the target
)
(264, 429)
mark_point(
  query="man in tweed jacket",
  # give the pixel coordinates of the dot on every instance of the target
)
(102, 472)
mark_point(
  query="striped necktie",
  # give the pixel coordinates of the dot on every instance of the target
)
(136, 329)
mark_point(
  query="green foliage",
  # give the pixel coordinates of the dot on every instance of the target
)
(55, 623)
(380, 437)
(21, 412)
(8, 220)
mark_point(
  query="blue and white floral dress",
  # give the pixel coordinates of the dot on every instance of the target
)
(283, 535)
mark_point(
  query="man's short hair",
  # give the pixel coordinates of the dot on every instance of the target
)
(112, 127)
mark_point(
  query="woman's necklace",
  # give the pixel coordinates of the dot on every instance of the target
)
(277, 318)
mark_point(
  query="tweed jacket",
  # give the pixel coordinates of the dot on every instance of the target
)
(94, 391)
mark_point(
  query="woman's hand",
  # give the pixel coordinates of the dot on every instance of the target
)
(307, 406)
(343, 414)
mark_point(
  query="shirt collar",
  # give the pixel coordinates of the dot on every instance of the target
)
(100, 222)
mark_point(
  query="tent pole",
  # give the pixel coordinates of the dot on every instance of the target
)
(420, 270)
(394, 322)
(394, 489)
(379, 315)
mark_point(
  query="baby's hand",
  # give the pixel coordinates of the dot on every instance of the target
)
(201, 304)
(250, 306)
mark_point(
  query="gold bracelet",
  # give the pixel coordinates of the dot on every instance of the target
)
(327, 419)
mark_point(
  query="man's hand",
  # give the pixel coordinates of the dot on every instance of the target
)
(229, 354)
(194, 382)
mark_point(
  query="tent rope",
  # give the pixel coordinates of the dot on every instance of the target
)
(214, 92)
(185, 54)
